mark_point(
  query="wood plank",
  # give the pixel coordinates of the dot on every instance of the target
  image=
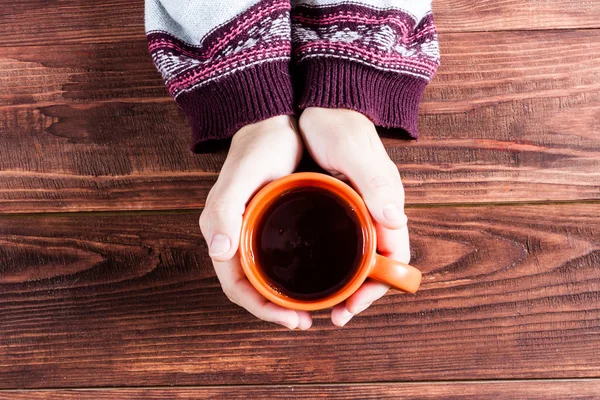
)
(79, 73)
(517, 390)
(490, 15)
(39, 22)
(101, 157)
(510, 292)
(510, 117)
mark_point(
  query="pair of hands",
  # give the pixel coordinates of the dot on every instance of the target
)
(344, 143)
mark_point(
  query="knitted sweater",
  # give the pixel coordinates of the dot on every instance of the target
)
(229, 63)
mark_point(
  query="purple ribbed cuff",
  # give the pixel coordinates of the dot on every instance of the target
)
(391, 100)
(220, 108)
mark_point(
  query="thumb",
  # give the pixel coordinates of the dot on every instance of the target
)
(378, 181)
(221, 224)
(221, 220)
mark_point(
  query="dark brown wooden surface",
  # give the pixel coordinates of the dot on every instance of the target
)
(42, 22)
(504, 203)
(500, 15)
(517, 390)
(518, 122)
(131, 299)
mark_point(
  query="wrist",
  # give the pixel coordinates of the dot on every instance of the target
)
(274, 139)
(279, 126)
(334, 121)
(338, 112)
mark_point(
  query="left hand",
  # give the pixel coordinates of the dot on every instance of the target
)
(346, 144)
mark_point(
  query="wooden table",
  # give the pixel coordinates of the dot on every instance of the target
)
(104, 278)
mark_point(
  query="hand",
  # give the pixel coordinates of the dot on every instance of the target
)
(346, 144)
(259, 154)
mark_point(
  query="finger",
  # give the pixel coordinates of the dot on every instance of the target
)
(221, 225)
(393, 243)
(365, 295)
(340, 316)
(305, 320)
(239, 290)
(221, 220)
(378, 181)
(358, 302)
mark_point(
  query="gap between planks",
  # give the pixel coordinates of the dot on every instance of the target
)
(312, 384)
(191, 210)
(440, 32)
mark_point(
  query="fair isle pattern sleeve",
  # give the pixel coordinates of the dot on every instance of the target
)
(226, 62)
(372, 56)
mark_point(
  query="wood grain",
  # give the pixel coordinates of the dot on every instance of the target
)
(494, 15)
(509, 292)
(40, 22)
(79, 73)
(511, 116)
(101, 157)
(517, 390)
(127, 300)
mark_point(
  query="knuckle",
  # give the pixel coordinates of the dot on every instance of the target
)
(229, 294)
(218, 207)
(231, 299)
(217, 214)
(378, 182)
(203, 222)
(213, 212)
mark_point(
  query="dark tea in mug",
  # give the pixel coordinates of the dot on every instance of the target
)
(309, 243)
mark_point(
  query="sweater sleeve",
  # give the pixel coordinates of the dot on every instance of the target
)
(226, 62)
(371, 56)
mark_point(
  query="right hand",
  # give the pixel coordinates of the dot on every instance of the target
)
(259, 154)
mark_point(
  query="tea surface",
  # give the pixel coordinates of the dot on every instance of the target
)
(309, 243)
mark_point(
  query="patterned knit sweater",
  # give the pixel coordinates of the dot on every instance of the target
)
(229, 63)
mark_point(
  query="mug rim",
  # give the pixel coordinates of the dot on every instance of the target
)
(254, 212)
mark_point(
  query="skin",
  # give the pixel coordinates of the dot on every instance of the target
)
(343, 142)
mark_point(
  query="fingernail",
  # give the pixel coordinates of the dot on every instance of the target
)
(304, 326)
(220, 244)
(287, 325)
(362, 308)
(346, 318)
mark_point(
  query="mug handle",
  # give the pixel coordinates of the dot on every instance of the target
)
(395, 273)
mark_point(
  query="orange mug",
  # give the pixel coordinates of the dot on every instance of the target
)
(372, 265)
